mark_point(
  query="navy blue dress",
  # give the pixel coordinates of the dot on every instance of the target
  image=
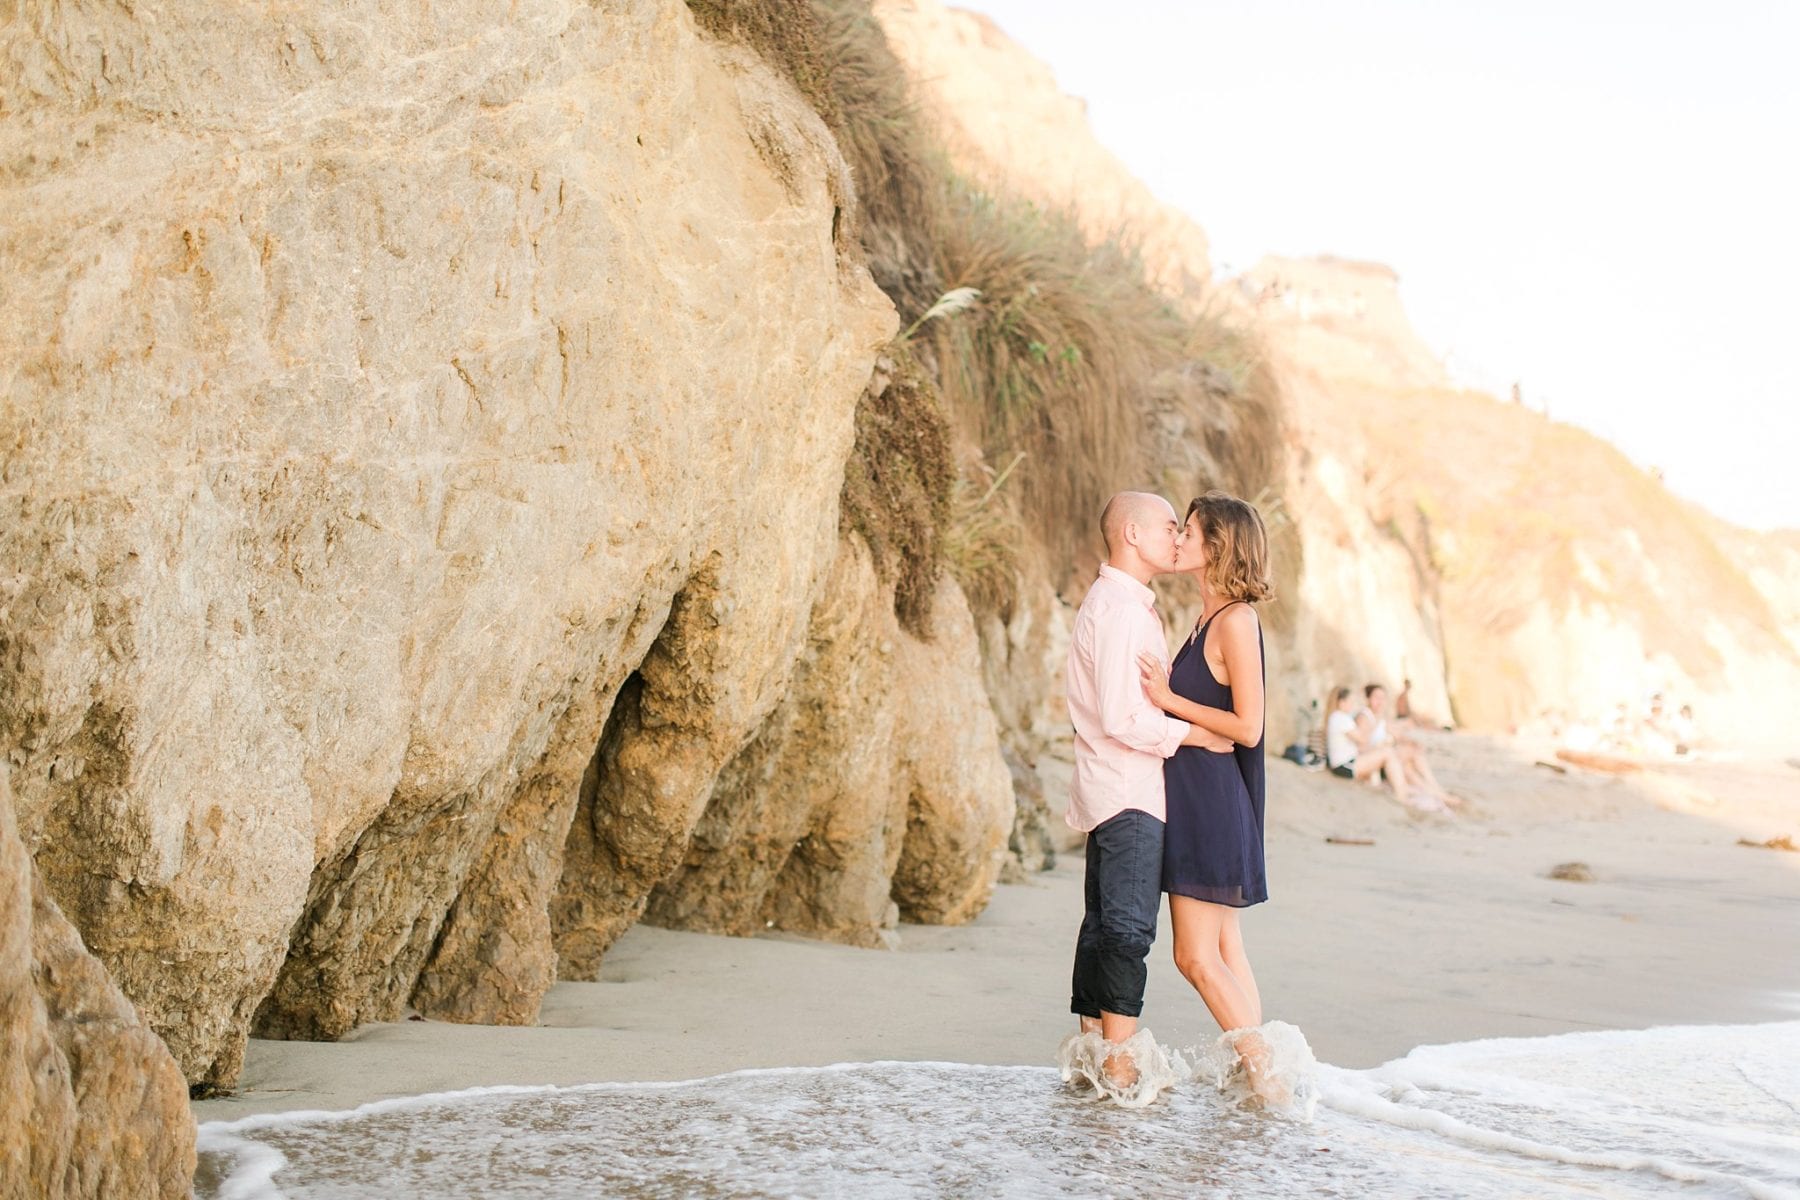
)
(1213, 843)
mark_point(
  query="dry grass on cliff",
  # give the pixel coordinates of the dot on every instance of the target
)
(1067, 356)
(1056, 359)
(1058, 362)
(900, 168)
(982, 542)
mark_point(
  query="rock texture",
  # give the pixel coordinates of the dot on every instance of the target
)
(395, 400)
(876, 791)
(91, 1103)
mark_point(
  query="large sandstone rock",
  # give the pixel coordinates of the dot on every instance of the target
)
(719, 668)
(380, 382)
(91, 1103)
(960, 803)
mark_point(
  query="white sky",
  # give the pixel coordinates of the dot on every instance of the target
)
(1598, 199)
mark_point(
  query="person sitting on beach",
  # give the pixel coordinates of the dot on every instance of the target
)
(1350, 755)
(1684, 730)
(1372, 720)
(1656, 731)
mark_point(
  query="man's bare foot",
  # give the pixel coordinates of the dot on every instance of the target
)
(1120, 1070)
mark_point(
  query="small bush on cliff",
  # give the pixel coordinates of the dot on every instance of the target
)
(898, 482)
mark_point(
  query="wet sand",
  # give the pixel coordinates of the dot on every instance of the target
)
(1442, 930)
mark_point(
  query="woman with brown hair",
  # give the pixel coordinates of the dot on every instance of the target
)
(1213, 839)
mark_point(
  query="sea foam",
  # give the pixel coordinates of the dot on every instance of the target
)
(1699, 1112)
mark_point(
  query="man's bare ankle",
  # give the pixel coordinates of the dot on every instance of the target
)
(1121, 1070)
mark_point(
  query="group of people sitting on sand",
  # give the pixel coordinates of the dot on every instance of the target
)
(1363, 742)
(1655, 732)
(1652, 729)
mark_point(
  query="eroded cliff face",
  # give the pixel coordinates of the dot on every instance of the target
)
(403, 407)
(1369, 605)
(91, 1103)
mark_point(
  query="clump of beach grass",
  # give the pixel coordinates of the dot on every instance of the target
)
(981, 545)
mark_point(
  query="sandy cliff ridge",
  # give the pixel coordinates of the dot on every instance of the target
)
(1563, 579)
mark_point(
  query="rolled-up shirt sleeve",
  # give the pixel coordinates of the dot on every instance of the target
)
(1126, 714)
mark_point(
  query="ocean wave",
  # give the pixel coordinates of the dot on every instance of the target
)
(1694, 1111)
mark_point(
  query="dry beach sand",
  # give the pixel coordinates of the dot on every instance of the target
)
(1442, 930)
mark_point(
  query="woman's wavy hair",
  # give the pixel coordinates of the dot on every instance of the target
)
(1237, 547)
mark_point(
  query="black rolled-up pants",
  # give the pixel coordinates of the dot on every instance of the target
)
(1124, 891)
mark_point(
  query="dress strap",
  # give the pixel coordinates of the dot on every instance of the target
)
(1200, 626)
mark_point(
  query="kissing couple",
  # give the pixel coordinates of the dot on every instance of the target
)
(1168, 787)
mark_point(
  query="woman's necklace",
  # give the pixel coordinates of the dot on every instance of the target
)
(1204, 617)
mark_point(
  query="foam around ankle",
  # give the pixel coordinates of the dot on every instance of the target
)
(1082, 1057)
(1285, 1080)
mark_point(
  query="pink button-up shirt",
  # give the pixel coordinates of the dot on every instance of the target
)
(1121, 738)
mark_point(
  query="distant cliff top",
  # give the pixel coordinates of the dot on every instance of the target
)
(1342, 316)
(1007, 124)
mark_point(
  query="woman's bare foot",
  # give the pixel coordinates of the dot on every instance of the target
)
(1258, 1062)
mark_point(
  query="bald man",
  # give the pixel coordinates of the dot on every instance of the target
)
(1121, 740)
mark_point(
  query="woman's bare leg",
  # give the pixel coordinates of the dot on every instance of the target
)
(1198, 940)
(1419, 768)
(1382, 760)
(1397, 778)
(1231, 949)
(1209, 951)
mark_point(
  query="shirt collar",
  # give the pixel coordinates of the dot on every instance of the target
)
(1139, 592)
